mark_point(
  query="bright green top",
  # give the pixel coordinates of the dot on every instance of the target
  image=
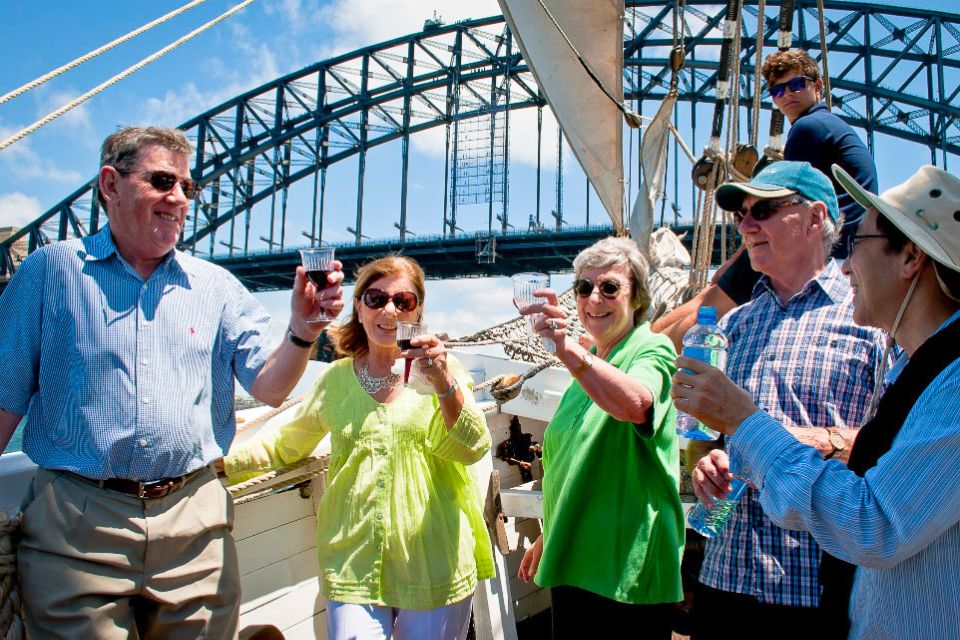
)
(400, 523)
(612, 518)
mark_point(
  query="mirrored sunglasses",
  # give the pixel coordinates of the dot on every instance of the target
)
(609, 289)
(763, 209)
(794, 84)
(402, 300)
(164, 181)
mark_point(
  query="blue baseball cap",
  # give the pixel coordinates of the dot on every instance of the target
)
(779, 180)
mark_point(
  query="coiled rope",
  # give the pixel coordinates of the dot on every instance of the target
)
(11, 620)
(23, 133)
(19, 91)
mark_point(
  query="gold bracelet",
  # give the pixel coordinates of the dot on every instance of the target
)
(585, 364)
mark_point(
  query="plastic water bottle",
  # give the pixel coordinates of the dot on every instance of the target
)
(708, 522)
(705, 342)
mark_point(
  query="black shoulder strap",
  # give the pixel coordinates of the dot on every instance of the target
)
(875, 439)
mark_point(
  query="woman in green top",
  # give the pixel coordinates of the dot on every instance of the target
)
(400, 536)
(613, 527)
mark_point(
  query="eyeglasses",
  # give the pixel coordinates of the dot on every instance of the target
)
(164, 181)
(794, 84)
(609, 289)
(763, 209)
(853, 239)
(402, 300)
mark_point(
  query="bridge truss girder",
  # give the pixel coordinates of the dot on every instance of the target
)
(899, 75)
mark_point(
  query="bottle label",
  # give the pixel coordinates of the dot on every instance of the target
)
(712, 356)
(703, 354)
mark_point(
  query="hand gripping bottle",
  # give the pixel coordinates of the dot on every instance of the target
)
(709, 521)
(705, 342)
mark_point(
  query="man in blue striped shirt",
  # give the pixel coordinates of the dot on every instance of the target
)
(122, 352)
(895, 511)
(796, 349)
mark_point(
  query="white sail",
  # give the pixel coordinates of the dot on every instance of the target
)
(653, 162)
(591, 122)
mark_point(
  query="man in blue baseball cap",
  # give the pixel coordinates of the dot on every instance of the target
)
(795, 348)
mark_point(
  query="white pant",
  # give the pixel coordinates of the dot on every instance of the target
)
(372, 622)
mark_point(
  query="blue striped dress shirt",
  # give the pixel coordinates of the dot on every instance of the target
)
(120, 376)
(807, 364)
(900, 522)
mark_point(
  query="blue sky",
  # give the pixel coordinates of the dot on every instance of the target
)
(268, 39)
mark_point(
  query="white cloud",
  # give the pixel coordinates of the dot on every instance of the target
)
(455, 307)
(289, 9)
(359, 23)
(22, 162)
(178, 105)
(76, 123)
(18, 209)
(461, 307)
(523, 139)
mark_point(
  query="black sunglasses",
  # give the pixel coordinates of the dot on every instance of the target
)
(609, 289)
(402, 300)
(794, 84)
(763, 209)
(165, 181)
(853, 239)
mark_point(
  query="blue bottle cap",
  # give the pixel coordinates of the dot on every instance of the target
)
(707, 315)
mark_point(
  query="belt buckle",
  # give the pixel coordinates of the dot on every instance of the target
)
(155, 489)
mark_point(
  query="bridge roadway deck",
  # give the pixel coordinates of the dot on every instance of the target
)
(442, 258)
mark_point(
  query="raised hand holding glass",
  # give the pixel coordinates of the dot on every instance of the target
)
(318, 264)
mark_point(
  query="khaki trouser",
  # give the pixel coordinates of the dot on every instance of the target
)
(99, 564)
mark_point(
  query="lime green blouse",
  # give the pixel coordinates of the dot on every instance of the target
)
(400, 523)
(612, 518)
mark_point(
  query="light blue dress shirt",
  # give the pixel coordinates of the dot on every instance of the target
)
(900, 523)
(120, 376)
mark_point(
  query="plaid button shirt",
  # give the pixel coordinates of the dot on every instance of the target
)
(806, 364)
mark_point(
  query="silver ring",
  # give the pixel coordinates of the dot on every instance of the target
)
(553, 325)
(429, 362)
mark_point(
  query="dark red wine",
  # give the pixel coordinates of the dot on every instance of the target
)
(405, 344)
(319, 278)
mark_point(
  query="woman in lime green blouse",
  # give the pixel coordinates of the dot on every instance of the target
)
(613, 527)
(400, 536)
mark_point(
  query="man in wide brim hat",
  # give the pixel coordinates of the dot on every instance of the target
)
(891, 513)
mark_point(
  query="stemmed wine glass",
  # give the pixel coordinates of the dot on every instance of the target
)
(524, 284)
(407, 331)
(318, 264)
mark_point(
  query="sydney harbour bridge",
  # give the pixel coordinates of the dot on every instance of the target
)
(268, 158)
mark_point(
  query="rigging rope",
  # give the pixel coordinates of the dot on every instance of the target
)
(823, 55)
(117, 78)
(774, 149)
(96, 52)
(757, 66)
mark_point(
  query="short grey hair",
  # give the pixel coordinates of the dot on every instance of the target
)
(831, 232)
(611, 252)
(121, 149)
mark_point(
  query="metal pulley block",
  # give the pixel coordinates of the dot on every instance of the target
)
(677, 55)
(770, 155)
(744, 160)
(705, 169)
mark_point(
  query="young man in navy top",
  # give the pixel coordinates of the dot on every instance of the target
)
(816, 136)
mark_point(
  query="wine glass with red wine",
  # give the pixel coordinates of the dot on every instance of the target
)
(406, 332)
(318, 263)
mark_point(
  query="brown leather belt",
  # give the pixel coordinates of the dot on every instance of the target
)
(146, 490)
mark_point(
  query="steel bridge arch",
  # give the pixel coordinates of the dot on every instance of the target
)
(899, 76)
